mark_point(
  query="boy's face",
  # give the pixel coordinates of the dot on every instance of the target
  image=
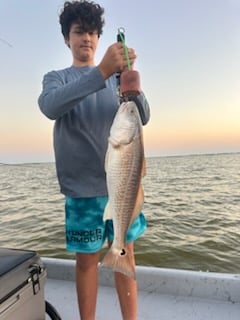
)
(83, 45)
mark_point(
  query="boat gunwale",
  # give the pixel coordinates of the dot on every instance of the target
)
(167, 281)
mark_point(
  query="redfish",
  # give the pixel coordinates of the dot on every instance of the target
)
(125, 167)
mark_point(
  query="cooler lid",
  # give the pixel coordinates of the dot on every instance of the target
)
(11, 258)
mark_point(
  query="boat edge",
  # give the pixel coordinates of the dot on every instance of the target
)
(175, 282)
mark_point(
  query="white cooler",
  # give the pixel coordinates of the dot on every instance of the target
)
(22, 281)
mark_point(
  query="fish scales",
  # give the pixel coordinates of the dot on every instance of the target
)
(124, 169)
(124, 192)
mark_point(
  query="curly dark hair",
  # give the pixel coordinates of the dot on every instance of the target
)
(87, 13)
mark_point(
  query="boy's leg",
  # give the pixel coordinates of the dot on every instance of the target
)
(87, 283)
(85, 235)
(127, 291)
(127, 287)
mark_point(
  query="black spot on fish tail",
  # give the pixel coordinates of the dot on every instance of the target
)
(123, 252)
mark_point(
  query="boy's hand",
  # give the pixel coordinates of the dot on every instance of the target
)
(115, 60)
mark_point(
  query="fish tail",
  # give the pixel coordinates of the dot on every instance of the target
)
(119, 262)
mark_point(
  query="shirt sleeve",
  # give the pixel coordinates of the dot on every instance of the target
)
(58, 96)
(142, 105)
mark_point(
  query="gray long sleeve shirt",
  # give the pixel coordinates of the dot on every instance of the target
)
(83, 106)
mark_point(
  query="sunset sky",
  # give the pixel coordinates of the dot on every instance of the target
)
(188, 58)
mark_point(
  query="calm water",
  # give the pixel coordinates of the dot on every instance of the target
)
(192, 204)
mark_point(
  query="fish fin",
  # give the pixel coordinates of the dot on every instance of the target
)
(107, 215)
(140, 196)
(138, 205)
(106, 159)
(119, 262)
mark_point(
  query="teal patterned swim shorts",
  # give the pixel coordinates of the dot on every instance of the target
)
(86, 231)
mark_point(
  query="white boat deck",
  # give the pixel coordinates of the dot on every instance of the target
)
(164, 294)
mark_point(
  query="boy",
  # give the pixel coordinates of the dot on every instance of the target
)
(82, 100)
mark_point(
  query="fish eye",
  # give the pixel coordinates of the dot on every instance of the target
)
(131, 110)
